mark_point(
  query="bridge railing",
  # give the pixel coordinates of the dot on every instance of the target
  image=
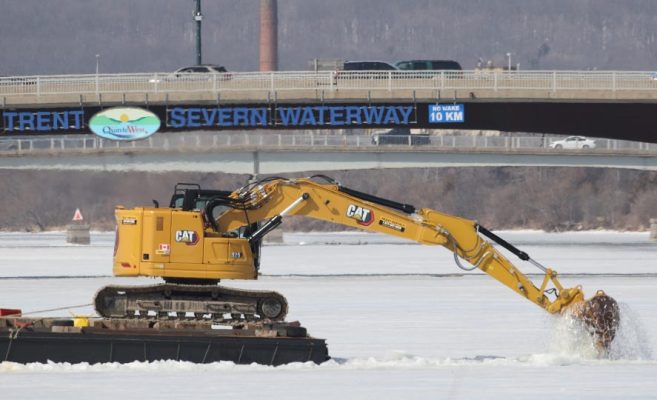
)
(554, 81)
(304, 141)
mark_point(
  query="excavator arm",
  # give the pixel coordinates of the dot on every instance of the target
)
(269, 201)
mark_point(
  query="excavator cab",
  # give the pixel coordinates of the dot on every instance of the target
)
(190, 196)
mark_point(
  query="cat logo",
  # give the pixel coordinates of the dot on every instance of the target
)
(188, 237)
(362, 215)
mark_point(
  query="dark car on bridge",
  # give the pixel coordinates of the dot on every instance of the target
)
(450, 68)
(428, 65)
(400, 136)
(367, 66)
(359, 70)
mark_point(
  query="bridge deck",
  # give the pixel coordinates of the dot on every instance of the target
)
(246, 87)
(254, 153)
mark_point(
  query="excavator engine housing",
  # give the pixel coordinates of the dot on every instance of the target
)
(171, 243)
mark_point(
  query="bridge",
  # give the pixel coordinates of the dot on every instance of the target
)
(271, 153)
(607, 104)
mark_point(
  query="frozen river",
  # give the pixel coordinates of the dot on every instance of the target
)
(401, 321)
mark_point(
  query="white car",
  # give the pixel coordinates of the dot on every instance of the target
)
(204, 72)
(573, 142)
(8, 145)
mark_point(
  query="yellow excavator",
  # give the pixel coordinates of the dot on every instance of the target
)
(205, 236)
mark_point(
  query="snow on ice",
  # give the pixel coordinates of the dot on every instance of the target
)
(400, 320)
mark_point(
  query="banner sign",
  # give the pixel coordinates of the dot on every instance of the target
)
(43, 121)
(133, 123)
(307, 116)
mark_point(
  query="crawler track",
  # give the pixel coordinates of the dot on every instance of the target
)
(202, 301)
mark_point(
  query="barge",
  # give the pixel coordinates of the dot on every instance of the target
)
(87, 340)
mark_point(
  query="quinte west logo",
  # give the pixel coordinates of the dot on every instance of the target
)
(362, 215)
(190, 238)
(124, 123)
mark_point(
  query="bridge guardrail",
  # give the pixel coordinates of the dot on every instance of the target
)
(303, 141)
(549, 81)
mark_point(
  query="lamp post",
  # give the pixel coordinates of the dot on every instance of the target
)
(198, 17)
(97, 78)
(508, 56)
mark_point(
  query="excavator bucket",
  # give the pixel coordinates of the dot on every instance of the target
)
(601, 315)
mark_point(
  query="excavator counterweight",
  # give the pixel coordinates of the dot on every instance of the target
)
(209, 235)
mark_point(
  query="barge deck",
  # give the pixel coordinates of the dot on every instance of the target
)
(32, 340)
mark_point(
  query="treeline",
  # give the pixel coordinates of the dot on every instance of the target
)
(552, 199)
(64, 36)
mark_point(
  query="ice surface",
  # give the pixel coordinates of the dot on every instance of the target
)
(414, 335)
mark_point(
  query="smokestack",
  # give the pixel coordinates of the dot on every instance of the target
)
(268, 35)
